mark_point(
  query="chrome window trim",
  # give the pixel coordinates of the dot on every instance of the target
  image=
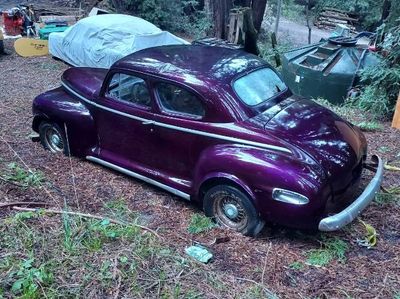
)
(168, 126)
(139, 176)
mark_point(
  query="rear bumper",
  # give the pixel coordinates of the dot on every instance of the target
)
(346, 216)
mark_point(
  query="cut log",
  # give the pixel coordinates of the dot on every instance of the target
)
(339, 17)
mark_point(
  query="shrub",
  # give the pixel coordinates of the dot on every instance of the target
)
(383, 81)
(173, 15)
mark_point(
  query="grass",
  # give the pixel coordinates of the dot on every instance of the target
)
(200, 223)
(370, 126)
(72, 257)
(391, 197)
(331, 249)
(16, 174)
(296, 265)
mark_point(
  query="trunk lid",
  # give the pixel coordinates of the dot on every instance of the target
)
(85, 81)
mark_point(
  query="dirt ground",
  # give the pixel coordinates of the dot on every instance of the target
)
(277, 259)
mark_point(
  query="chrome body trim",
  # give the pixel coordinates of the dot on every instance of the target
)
(139, 176)
(191, 131)
(346, 216)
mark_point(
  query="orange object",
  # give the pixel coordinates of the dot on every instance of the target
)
(396, 117)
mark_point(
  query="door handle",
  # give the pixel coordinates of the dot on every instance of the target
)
(147, 122)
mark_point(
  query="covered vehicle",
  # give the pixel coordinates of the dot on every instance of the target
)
(212, 125)
(99, 41)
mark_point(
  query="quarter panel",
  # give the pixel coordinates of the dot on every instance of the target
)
(65, 110)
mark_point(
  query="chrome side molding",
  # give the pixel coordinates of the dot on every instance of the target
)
(139, 176)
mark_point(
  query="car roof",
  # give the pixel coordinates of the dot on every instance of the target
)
(194, 65)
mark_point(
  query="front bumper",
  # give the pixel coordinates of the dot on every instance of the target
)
(346, 216)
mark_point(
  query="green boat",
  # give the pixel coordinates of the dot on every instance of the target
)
(329, 69)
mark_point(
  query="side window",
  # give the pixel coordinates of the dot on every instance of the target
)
(129, 89)
(178, 100)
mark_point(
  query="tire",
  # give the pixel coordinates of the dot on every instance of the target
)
(52, 137)
(232, 208)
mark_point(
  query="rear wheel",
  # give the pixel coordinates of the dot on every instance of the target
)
(232, 208)
(52, 137)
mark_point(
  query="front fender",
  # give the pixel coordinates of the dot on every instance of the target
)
(259, 171)
(60, 107)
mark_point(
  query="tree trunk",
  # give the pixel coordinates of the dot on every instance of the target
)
(278, 16)
(258, 7)
(308, 21)
(219, 12)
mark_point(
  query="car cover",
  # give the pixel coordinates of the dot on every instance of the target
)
(99, 41)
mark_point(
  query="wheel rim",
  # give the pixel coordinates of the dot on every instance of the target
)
(54, 140)
(229, 211)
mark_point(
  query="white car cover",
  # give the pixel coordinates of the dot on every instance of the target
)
(101, 40)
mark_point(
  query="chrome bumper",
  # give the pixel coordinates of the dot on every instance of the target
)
(346, 216)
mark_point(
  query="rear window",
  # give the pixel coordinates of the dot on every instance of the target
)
(258, 86)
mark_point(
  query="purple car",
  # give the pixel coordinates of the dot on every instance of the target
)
(215, 126)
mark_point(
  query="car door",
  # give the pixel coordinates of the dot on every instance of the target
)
(179, 109)
(125, 122)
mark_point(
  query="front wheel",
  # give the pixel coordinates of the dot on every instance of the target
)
(52, 137)
(232, 208)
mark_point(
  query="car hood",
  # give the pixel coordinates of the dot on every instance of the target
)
(333, 142)
(84, 81)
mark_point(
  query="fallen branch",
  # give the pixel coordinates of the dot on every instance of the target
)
(22, 203)
(51, 211)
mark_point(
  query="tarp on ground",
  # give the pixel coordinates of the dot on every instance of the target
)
(99, 41)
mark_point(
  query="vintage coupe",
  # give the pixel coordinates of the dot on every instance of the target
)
(213, 125)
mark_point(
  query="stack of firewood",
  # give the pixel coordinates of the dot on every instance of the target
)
(330, 17)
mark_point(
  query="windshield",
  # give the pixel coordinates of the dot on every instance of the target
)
(258, 86)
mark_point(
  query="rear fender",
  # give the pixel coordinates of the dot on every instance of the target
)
(68, 112)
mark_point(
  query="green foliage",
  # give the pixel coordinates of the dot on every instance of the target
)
(296, 266)
(25, 178)
(199, 224)
(173, 15)
(345, 111)
(379, 96)
(331, 249)
(28, 279)
(370, 126)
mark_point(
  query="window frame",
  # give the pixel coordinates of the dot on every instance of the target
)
(106, 94)
(261, 104)
(182, 115)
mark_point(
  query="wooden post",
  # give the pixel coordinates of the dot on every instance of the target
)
(396, 117)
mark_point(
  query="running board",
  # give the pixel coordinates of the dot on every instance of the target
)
(139, 176)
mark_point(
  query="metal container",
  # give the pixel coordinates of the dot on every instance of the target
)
(329, 69)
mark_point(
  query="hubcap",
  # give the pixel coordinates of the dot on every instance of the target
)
(231, 211)
(54, 140)
(228, 210)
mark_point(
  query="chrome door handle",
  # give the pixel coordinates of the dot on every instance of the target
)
(147, 122)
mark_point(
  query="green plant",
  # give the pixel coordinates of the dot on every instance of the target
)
(370, 126)
(29, 279)
(392, 196)
(296, 266)
(200, 223)
(25, 178)
(382, 82)
(331, 249)
(346, 111)
(173, 15)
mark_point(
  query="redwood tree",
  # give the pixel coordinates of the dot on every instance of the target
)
(219, 12)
